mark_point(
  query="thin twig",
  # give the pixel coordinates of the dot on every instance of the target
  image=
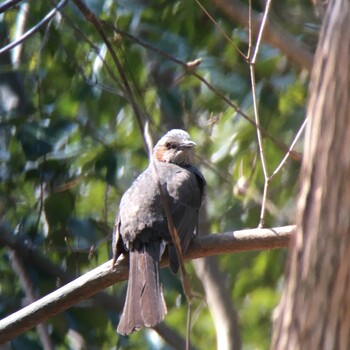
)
(296, 138)
(278, 143)
(98, 24)
(189, 325)
(97, 50)
(296, 51)
(256, 114)
(257, 121)
(172, 229)
(250, 31)
(260, 144)
(21, 21)
(7, 4)
(217, 25)
(173, 232)
(264, 203)
(41, 196)
(217, 92)
(261, 31)
(34, 29)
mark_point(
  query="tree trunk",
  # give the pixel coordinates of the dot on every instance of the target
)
(314, 312)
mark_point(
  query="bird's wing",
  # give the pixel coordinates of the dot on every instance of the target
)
(141, 207)
(117, 244)
(185, 197)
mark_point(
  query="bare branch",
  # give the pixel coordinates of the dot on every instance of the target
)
(261, 31)
(296, 138)
(8, 4)
(294, 155)
(22, 17)
(30, 255)
(256, 112)
(217, 25)
(103, 276)
(31, 31)
(128, 92)
(296, 51)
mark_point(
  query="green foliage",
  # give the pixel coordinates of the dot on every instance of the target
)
(71, 150)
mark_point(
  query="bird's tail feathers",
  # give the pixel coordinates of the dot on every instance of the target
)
(144, 304)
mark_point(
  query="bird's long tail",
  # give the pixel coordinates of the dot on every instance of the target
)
(144, 304)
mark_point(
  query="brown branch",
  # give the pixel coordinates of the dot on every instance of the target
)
(103, 276)
(32, 256)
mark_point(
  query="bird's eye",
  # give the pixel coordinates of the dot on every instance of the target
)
(170, 145)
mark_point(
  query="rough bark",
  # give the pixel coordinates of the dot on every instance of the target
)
(314, 312)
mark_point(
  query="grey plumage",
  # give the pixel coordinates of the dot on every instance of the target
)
(142, 227)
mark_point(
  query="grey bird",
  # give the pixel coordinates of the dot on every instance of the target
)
(141, 226)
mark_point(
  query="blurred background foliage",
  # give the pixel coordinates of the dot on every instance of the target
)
(70, 145)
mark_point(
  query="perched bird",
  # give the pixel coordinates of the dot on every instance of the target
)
(141, 226)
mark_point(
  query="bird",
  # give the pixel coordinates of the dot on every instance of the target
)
(141, 227)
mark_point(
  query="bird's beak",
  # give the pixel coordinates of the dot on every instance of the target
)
(186, 144)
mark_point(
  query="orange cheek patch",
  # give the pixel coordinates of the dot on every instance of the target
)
(159, 154)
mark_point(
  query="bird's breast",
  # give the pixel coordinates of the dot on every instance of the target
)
(141, 208)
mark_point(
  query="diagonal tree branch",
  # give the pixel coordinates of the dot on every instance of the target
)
(8, 4)
(103, 276)
(31, 255)
(33, 30)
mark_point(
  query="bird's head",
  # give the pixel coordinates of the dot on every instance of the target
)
(175, 147)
